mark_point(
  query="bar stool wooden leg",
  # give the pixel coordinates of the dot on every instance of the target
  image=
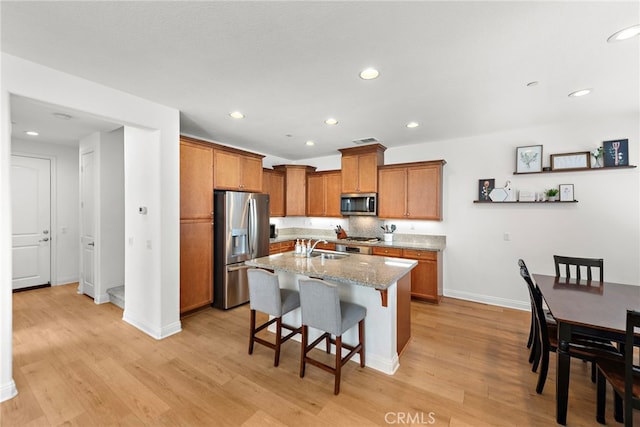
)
(361, 339)
(278, 341)
(252, 328)
(303, 353)
(339, 362)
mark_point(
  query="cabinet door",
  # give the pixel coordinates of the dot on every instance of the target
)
(333, 189)
(424, 277)
(424, 192)
(392, 193)
(368, 173)
(349, 174)
(250, 174)
(226, 170)
(196, 181)
(273, 185)
(315, 195)
(196, 266)
(296, 192)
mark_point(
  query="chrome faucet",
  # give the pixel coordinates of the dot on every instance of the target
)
(311, 249)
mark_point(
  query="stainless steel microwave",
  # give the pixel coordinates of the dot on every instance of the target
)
(359, 204)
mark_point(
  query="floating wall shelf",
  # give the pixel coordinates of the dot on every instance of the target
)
(576, 170)
(557, 202)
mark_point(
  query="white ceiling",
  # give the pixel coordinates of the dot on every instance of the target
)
(457, 68)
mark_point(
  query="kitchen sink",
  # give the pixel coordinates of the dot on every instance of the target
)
(329, 254)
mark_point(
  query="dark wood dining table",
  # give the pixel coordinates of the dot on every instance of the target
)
(587, 307)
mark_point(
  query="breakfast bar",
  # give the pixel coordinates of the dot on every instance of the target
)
(381, 284)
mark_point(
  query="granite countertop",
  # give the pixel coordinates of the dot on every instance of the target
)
(363, 270)
(421, 242)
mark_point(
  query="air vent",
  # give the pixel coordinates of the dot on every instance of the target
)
(364, 141)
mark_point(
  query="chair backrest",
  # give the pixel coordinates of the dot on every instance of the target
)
(536, 304)
(264, 291)
(320, 305)
(578, 264)
(631, 372)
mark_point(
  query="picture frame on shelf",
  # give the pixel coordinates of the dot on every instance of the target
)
(529, 159)
(566, 193)
(485, 186)
(569, 161)
(616, 153)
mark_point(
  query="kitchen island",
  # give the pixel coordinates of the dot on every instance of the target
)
(381, 284)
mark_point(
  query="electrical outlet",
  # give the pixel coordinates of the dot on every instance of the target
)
(506, 237)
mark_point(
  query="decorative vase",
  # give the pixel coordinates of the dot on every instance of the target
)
(552, 198)
(597, 164)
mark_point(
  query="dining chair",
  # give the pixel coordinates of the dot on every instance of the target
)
(622, 374)
(577, 265)
(266, 296)
(546, 335)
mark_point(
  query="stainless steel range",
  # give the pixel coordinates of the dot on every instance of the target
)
(350, 244)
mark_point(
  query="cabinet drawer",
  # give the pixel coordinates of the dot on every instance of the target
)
(420, 254)
(395, 252)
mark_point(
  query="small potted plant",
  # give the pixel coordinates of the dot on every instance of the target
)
(597, 154)
(552, 194)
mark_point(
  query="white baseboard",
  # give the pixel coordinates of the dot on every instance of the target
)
(156, 333)
(8, 391)
(485, 299)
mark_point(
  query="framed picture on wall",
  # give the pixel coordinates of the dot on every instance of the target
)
(567, 161)
(566, 193)
(529, 159)
(484, 189)
(616, 153)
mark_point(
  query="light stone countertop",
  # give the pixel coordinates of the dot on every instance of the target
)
(363, 270)
(421, 242)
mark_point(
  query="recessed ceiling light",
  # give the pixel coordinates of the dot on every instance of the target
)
(237, 115)
(310, 143)
(581, 92)
(331, 121)
(62, 116)
(625, 34)
(369, 74)
(32, 133)
(412, 125)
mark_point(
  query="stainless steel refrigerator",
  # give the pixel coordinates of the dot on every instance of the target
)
(241, 232)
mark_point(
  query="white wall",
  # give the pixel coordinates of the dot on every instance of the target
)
(479, 264)
(150, 129)
(64, 205)
(111, 225)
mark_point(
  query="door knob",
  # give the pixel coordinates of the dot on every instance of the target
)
(91, 244)
(46, 239)
(45, 232)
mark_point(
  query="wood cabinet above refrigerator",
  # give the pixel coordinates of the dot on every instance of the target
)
(360, 168)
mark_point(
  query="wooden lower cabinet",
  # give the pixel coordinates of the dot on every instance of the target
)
(426, 277)
(196, 266)
(326, 246)
(280, 247)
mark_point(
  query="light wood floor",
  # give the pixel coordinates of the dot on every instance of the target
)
(79, 364)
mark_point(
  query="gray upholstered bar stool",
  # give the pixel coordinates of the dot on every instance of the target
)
(266, 296)
(322, 309)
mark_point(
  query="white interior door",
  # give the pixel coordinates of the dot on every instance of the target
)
(88, 223)
(31, 212)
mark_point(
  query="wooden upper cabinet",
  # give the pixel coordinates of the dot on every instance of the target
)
(196, 180)
(360, 168)
(237, 170)
(323, 193)
(295, 181)
(411, 191)
(273, 185)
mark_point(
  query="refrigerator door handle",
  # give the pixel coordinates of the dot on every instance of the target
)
(237, 267)
(252, 228)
